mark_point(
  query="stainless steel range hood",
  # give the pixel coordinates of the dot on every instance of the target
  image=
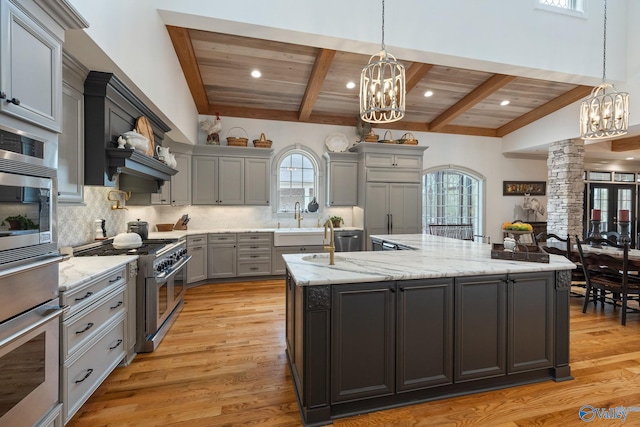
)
(111, 109)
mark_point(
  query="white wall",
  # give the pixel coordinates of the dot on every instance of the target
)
(482, 155)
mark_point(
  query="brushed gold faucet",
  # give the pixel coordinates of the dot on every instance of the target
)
(297, 213)
(125, 196)
(332, 246)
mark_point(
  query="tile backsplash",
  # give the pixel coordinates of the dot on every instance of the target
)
(76, 223)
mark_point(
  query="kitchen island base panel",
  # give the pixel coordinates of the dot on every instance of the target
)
(318, 341)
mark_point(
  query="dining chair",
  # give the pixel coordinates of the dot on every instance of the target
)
(554, 244)
(608, 273)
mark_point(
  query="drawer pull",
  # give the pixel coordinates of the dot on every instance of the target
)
(87, 295)
(116, 279)
(116, 306)
(196, 240)
(116, 344)
(254, 237)
(254, 268)
(254, 256)
(89, 326)
(89, 372)
(254, 247)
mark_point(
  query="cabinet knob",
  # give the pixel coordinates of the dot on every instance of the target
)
(15, 101)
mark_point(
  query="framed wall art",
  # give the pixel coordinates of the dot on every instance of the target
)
(520, 188)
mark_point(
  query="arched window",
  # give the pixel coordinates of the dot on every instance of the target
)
(297, 179)
(452, 195)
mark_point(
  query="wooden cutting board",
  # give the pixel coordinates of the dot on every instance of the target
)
(143, 127)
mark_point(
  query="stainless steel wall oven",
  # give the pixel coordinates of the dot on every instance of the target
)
(28, 187)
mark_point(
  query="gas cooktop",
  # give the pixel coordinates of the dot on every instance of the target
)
(105, 248)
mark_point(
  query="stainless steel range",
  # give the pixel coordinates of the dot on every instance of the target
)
(160, 285)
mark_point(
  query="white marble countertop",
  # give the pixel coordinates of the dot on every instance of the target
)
(432, 257)
(78, 270)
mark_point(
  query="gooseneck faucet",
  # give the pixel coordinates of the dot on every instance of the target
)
(332, 246)
(297, 213)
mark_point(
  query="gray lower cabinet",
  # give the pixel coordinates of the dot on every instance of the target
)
(221, 255)
(254, 254)
(197, 266)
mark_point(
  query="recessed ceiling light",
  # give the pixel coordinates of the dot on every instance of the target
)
(629, 158)
(428, 93)
(351, 85)
(256, 74)
(505, 102)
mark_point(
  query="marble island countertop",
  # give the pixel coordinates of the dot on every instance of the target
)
(431, 257)
(78, 270)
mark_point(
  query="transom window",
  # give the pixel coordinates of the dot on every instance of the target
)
(451, 196)
(297, 180)
(566, 5)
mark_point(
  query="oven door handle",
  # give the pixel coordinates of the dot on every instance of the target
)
(41, 316)
(163, 277)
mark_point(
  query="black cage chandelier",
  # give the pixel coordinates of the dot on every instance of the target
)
(382, 87)
(605, 113)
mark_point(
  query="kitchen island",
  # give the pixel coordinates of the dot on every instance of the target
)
(384, 329)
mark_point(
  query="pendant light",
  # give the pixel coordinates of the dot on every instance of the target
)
(605, 113)
(382, 87)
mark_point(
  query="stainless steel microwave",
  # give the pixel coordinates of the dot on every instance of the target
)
(27, 198)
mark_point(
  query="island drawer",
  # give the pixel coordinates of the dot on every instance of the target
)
(79, 329)
(84, 295)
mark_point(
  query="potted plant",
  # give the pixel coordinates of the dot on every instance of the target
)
(19, 222)
(336, 220)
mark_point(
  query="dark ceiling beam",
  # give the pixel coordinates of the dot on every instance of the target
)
(187, 57)
(555, 104)
(316, 80)
(415, 73)
(625, 144)
(477, 95)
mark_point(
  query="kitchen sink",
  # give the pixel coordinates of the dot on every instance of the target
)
(299, 237)
(321, 259)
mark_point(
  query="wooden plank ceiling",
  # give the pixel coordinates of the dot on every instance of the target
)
(308, 84)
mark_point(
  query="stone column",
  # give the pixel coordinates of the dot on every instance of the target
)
(565, 188)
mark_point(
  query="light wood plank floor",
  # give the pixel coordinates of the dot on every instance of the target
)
(223, 364)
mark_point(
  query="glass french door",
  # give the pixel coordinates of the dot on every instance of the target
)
(610, 198)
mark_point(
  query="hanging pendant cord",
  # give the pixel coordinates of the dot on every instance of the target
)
(383, 48)
(604, 47)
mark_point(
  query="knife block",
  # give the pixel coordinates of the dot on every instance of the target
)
(180, 225)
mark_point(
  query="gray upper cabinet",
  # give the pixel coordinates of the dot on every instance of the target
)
(30, 67)
(230, 175)
(342, 179)
(181, 182)
(71, 147)
(256, 181)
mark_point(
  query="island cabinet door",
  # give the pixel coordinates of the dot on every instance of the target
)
(362, 341)
(424, 334)
(530, 324)
(480, 327)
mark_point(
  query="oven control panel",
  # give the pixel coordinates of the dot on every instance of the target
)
(168, 260)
